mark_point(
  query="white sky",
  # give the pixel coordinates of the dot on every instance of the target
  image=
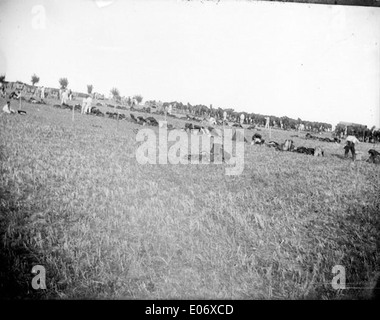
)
(316, 62)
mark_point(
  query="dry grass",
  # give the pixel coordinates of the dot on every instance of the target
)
(74, 199)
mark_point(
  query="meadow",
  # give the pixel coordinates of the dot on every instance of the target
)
(74, 199)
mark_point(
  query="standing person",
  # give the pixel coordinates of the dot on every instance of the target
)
(86, 104)
(2, 90)
(225, 116)
(267, 122)
(64, 97)
(42, 93)
(170, 109)
(165, 111)
(61, 93)
(242, 116)
(89, 102)
(351, 141)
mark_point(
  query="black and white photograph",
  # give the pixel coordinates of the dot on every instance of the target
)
(203, 150)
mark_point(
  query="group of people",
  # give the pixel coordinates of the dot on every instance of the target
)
(168, 109)
(86, 104)
(16, 94)
(65, 95)
(7, 107)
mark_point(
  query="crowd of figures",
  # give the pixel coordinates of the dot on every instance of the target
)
(19, 89)
(205, 126)
(351, 142)
(324, 139)
(363, 133)
(253, 119)
(198, 113)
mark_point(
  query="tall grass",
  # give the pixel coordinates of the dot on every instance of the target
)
(75, 200)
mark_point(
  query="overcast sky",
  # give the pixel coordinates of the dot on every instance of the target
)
(316, 62)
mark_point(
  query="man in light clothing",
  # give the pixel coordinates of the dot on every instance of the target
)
(350, 146)
(267, 122)
(42, 92)
(224, 115)
(7, 108)
(64, 97)
(242, 116)
(212, 121)
(86, 104)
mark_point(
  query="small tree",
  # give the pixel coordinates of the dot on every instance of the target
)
(2, 78)
(35, 79)
(115, 93)
(138, 98)
(89, 88)
(63, 82)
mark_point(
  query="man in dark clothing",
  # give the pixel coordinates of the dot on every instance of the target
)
(350, 146)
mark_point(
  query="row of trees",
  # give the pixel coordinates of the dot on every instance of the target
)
(126, 100)
(63, 83)
(284, 122)
(200, 110)
(360, 131)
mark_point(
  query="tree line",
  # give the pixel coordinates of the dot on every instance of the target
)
(257, 119)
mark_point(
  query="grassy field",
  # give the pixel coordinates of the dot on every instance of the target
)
(75, 200)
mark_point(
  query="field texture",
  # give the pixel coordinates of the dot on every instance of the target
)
(75, 200)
